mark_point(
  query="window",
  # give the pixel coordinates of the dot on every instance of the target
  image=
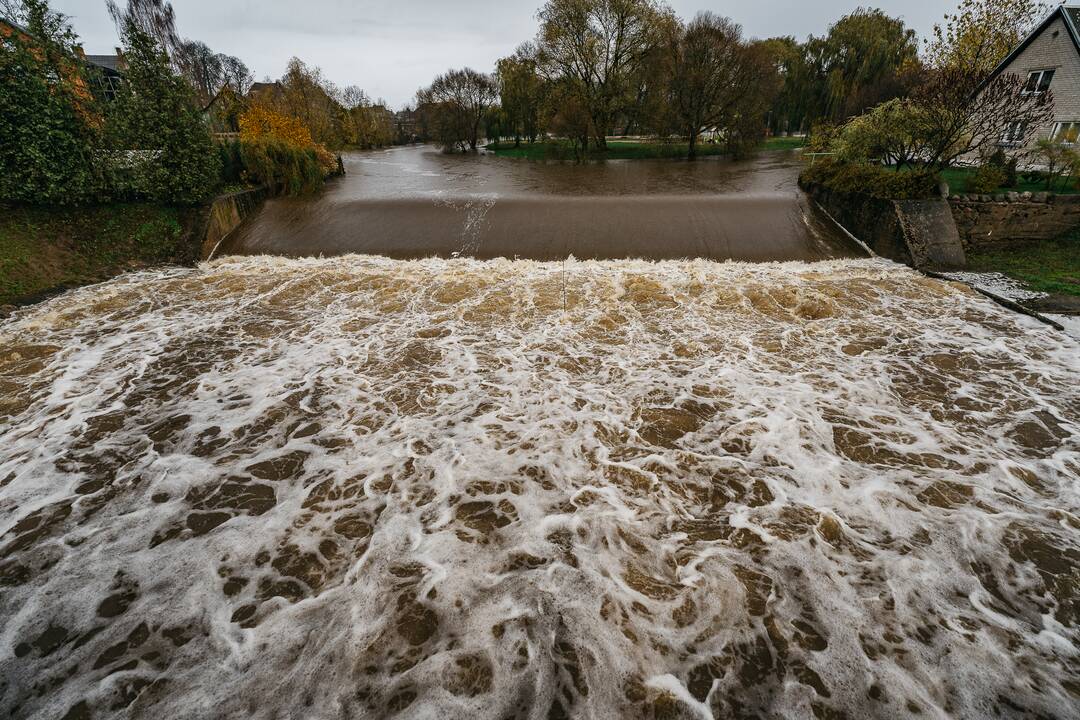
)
(1014, 133)
(1065, 133)
(1038, 82)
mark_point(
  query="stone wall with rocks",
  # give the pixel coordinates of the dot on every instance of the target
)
(995, 220)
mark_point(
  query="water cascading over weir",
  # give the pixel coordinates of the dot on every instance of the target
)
(415, 202)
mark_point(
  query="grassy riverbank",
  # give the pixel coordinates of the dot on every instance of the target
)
(43, 250)
(957, 178)
(627, 149)
(1050, 266)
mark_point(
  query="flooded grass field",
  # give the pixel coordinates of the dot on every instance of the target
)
(367, 488)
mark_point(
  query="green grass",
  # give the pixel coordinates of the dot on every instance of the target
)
(1051, 266)
(616, 150)
(627, 149)
(784, 143)
(957, 180)
(44, 249)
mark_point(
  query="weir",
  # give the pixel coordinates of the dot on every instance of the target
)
(366, 487)
(411, 203)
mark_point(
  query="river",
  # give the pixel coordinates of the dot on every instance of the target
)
(415, 202)
(364, 487)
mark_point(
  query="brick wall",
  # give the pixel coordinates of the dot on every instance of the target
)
(989, 221)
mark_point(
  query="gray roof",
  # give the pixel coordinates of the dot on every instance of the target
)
(1070, 14)
(15, 25)
(109, 62)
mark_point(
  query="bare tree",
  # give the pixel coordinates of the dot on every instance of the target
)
(961, 115)
(236, 74)
(456, 103)
(712, 71)
(597, 47)
(202, 68)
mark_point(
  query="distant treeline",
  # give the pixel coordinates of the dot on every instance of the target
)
(631, 67)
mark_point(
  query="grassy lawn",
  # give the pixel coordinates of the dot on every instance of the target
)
(616, 150)
(42, 249)
(784, 143)
(957, 179)
(1051, 266)
(628, 149)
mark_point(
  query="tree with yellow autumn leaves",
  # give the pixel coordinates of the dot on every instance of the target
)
(277, 150)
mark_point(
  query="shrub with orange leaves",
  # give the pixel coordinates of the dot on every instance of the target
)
(260, 122)
(277, 150)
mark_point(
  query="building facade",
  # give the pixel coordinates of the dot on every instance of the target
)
(1049, 60)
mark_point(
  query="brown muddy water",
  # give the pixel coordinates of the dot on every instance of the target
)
(416, 202)
(368, 488)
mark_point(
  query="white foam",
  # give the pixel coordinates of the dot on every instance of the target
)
(606, 488)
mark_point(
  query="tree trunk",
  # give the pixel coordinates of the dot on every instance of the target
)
(692, 152)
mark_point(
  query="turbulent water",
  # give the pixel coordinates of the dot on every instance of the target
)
(365, 488)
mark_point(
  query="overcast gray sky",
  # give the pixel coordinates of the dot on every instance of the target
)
(392, 47)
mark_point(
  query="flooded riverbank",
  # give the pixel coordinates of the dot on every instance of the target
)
(417, 202)
(364, 488)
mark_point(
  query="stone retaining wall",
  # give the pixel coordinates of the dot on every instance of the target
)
(995, 220)
(919, 233)
(225, 215)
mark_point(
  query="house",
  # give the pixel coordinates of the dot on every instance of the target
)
(66, 71)
(107, 72)
(266, 92)
(222, 113)
(1050, 60)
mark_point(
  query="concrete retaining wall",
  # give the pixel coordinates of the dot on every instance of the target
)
(226, 214)
(988, 221)
(920, 233)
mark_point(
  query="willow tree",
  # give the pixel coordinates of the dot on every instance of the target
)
(520, 92)
(865, 56)
(155, 18)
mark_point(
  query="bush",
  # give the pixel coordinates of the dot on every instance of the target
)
(1008, 165)
(281, 167)
(987, 179)
(261, 121)
(874, 180)
(49, 124)
(1061, 162)
(232, 164)
(265, 128)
